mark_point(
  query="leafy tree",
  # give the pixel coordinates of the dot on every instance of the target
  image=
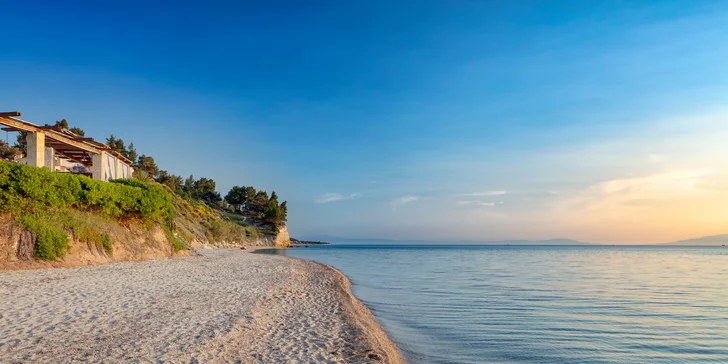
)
(116, 145)
(204, 189)
(21, 142)
(283, 211)
(148, 165)
(237, 198)
(131, 153)
(189, 186)
(63, 124)
(257, 206)
(77, 131)
(7, 152)
(274, 213)
(119, 146)
(170, 180)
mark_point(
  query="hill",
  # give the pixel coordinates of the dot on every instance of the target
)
(714, 240)
(62, 219)
(340, 240)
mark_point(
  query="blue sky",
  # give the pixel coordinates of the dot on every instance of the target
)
(432, 119)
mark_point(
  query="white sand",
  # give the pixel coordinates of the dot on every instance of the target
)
(223, 306)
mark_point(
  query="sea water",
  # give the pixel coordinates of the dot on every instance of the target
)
(531, 304)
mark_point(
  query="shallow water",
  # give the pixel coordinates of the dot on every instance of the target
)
(527, 304)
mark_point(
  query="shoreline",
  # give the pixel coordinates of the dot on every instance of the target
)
(364, 318)
(224, 305)
(358, 312)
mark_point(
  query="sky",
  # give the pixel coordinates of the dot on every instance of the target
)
(600, 121)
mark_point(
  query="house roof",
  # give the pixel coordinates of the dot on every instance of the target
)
(66, 143)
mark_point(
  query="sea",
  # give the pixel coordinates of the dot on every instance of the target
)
(542, 304)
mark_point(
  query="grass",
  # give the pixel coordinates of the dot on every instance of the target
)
(51, 241)
(53, 227)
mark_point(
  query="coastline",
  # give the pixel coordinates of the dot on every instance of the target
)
(223, 305)
(363, 317)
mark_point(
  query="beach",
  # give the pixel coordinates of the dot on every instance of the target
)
(217, 306)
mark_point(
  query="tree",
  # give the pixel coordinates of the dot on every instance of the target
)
(283, 211)
(77, 131)
(7, 152)
(189, 186)
(116, 145)
(170, 180)
(63, 124)
(22, 142)
(131, 153)
(257, 205)
(274, 213)
(237, 198)
(205, 190)
(147, 164)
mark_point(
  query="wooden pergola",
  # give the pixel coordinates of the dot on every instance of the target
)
(65, 144)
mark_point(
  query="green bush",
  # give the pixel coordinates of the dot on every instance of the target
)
(51, 241)
(49, 205)
(176, 243)
(106, 244)
(26, 188)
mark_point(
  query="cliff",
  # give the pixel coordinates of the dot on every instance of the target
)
(130, 241)
(58, 219)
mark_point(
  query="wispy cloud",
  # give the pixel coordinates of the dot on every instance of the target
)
(487, 193)
(656, 158)
(478, 203)
(399, 201)
(333, 197)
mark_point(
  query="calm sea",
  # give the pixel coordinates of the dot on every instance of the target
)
(527, 304)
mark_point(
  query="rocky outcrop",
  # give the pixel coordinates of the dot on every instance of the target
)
(281, 240)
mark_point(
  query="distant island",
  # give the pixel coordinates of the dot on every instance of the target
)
(340, 240)
(714, 240)
(305, 242)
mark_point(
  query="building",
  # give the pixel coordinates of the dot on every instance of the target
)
(63, 151)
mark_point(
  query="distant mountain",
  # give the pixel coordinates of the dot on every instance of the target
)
(340, 240)
(704, 241)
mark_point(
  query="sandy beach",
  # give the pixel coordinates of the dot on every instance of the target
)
(220, 306)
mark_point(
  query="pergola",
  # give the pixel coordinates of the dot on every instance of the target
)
(103, 162)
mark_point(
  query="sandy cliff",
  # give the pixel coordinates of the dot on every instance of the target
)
(130, 242)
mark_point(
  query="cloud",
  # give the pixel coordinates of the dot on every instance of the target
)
(333, 197)
(656, 158)
(399, 201)
(479, 203)
(487, 193)
(675, 201)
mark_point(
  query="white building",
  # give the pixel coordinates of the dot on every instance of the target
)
(63, 151)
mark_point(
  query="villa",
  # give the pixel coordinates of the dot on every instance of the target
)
(63, 151)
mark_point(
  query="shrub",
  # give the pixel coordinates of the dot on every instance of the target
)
(33, 192)
(24, 188)
(51, 241)
(106, 244)
(176, 243)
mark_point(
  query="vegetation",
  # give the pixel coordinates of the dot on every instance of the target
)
(25, 188)
(47, 203)
(9, 153)
(119, 146)
(254, 204)
(52, 229)
(51, 241)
